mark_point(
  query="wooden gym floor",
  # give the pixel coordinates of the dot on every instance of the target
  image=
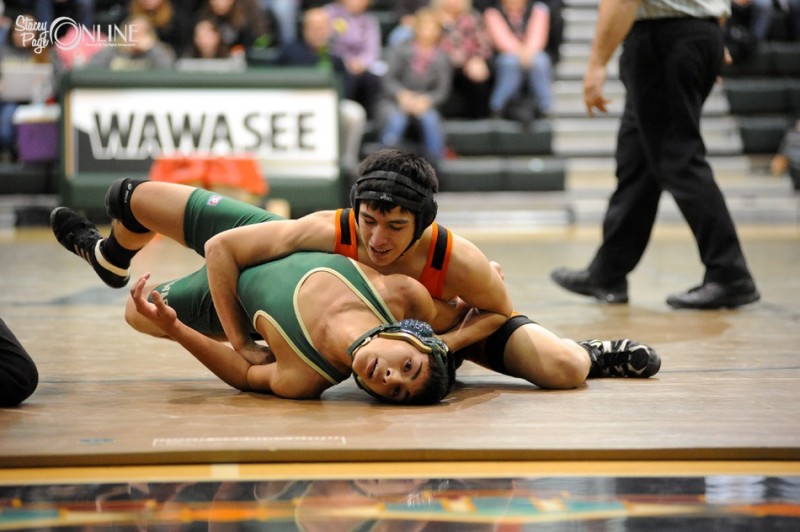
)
(115, 407)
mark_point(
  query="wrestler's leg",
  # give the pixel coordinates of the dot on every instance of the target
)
(154, 208)
(524, 349)
(140, 210)
(539, 356)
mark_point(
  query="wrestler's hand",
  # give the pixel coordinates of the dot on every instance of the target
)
(256, 354)
(158, 311)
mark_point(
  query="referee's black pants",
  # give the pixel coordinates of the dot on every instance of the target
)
(668, 68)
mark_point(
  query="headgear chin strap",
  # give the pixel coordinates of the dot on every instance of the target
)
(424, 206)
(417, 333)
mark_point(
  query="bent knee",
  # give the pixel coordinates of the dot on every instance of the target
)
(566, 369)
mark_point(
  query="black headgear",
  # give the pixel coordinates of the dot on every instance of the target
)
(417, 333)
(423, 205)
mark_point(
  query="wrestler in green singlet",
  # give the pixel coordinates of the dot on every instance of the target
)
(268, 289)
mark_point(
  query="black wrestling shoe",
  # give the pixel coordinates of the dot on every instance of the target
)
(80, 236)
(621, 358)
(711, 296)
(580, 282)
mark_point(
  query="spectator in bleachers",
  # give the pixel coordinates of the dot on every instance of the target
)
(404, 13)
(287, 15)
(313, 50)
(519, 32)
(146, 53)
(5, 23)
(243, 24)
(467, 45)
(18, 49)
(207, 42)
(758, 13)
(418, 80)
(81, 11)
(357, 40)
(162, 16)
(792, 9)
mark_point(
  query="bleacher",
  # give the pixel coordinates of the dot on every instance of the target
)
(764, 94)
(744, 121)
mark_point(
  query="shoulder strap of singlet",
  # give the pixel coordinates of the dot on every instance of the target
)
(435, 271)
(346, 238)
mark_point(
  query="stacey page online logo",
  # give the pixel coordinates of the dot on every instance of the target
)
(66, 34)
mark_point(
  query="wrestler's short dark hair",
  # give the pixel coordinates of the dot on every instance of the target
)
(437, 386)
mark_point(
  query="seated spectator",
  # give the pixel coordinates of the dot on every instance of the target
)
(758, 13)
(163, 19)
(357, 40)
(145, 53)
(207, 42)
(519, 31)
(418, 80)
(243, 24)
(18, 373)
(18, 49)
(286, 15)
(467, 45)
(313, 51)
(80, 11)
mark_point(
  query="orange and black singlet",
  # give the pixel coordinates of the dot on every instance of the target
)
(435, 271)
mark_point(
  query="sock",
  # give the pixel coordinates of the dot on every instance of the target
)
(115, 253)
(594, 369)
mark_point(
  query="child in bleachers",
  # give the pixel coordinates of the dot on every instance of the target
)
(147, 52)
(467, 45)
(357, 40)
(161, 14)
(417, 82)
(207, 41)
(243, 24)
(18, 49)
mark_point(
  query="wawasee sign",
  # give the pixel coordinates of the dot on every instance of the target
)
(293, 132)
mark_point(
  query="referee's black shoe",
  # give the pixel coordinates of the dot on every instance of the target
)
(581, 282)
(712, 295)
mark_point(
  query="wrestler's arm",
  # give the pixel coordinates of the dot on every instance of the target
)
(220, 359)
(229, 252)
(479, 286)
